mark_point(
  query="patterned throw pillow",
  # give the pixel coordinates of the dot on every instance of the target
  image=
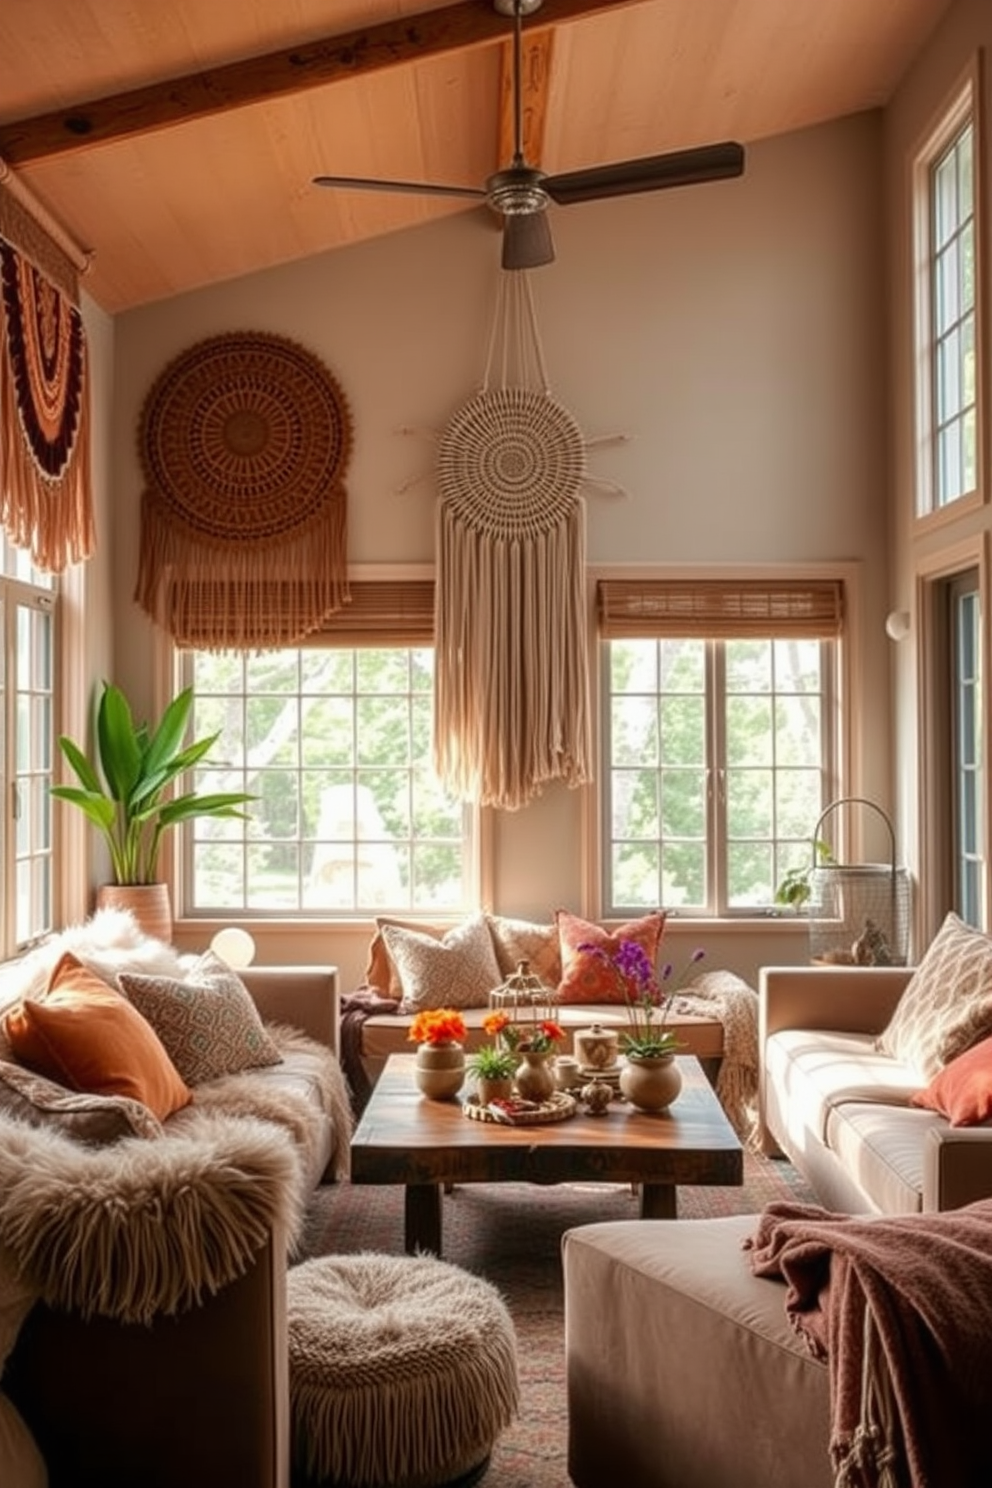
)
(85, 1035)
(458, 971)
(962, 1090)
(207, 1021)
(947, 1004)
(585, 976)
(522, 940)
(380, 971)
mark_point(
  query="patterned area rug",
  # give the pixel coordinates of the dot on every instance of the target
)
(511, 1234)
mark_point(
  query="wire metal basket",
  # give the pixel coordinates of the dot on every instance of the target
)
(859, 913)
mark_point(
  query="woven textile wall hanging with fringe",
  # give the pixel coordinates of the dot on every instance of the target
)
(46, 504)
(244, 441)
(511, 682)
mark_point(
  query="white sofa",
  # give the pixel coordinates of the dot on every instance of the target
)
(838, 1109)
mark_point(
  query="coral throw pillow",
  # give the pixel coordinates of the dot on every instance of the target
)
(207, 1021)
(585, 976)
(962, 1091)
(87, 1036)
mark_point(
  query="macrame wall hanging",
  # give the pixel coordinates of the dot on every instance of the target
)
(244, 441)
(511, 677)
(46, 504)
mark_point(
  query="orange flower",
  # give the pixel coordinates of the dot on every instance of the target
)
(437, 1026)
(495, 1023)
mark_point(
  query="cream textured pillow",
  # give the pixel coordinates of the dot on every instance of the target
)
(947, 1005)
(458, 971)
(522, 940)
(207, 1020)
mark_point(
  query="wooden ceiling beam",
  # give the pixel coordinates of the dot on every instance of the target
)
(535, 76)
(255, 80)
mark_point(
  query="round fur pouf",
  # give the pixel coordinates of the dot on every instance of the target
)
(402, 1371)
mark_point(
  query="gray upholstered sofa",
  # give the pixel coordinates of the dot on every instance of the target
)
(199, 1397)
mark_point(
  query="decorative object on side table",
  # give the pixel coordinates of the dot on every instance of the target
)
(650, 1078)
(440, 1065)
(598, 1096)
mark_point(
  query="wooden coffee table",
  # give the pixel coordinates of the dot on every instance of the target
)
(424, 1144)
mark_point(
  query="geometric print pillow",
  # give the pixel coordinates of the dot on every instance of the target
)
(457, 971)
(947, 1004)
(207, 1020)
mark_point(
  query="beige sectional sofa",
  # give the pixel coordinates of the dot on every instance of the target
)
(199, 1398)
(838, 1108)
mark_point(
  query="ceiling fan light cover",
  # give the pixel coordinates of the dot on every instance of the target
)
(527, 242)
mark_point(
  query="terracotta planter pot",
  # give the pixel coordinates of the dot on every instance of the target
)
(149, 903)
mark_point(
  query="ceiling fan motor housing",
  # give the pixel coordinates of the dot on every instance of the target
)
(517, 191)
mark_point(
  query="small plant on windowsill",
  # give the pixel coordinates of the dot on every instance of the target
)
(797, 885)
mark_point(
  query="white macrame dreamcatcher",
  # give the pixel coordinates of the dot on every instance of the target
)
(511, 694)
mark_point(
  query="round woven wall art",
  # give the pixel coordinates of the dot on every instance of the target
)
(511, 462)
(244, 440)
(245, 437)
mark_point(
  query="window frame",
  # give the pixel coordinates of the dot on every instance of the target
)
(963, 107)
(846, 765)
(477, 836)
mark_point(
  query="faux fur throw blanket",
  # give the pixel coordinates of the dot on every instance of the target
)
(724, 995)
(139, 1228)
(901, 1309)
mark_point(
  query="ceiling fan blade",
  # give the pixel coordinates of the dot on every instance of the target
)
(527, 241)
(653, 173)
(412, 188)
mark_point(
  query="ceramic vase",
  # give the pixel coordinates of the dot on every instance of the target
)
(651, 1081)
(534, 1078)
(493, 1088)
(596, 1047)
(440, 1070)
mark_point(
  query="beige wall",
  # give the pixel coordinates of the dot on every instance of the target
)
(735, 333)
(917, 106)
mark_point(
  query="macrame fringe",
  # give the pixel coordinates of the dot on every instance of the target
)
(511, 682)
(49, 516)
(241, 596)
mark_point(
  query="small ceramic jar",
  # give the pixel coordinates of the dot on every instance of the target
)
(597, 1096)
(597, 1047)
(568, 1074)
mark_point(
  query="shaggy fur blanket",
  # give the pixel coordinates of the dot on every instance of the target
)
(139, 1228)
(901, 1309)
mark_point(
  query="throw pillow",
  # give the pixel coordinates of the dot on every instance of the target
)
(458, 971)
(207, 1021)
(380, 971)
(947, 1004)
(94, 1120)
(522, 940)
(962, 1090)
(85, 1035)
(585, 976)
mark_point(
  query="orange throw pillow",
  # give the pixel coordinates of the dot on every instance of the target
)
(85, 1035)
(586, 977)
(962, 1090)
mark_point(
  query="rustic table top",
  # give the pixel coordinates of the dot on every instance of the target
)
(405, 1138)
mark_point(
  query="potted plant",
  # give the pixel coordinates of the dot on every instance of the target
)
(797, 884)
(125, 792)
(493, 1066)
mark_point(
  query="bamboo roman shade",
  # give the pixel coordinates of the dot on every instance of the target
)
(377, 612)
(720, 609)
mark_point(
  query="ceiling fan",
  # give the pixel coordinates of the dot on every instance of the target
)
(521, 193)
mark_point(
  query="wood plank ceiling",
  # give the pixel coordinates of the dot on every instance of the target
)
(178, 141)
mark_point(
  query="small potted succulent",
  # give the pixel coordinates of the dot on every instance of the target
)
(493, 1067)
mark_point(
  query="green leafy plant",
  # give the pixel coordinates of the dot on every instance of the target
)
(492, 1062)
(797, 884)
(124, 791)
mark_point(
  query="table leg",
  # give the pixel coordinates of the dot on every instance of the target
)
(658, 1201)
(423, 1217)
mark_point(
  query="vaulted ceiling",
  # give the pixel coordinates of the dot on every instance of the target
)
(178, 141)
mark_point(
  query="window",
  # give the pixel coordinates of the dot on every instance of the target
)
(334, 741)
(719, 748)
(27, 650)
(947, 321)
(966, 735)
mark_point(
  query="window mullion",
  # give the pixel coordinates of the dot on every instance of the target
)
(716, 744)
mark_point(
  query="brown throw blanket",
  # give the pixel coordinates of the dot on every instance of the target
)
(901, 1309)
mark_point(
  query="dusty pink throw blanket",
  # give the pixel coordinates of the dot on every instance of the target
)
(901, 1309)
